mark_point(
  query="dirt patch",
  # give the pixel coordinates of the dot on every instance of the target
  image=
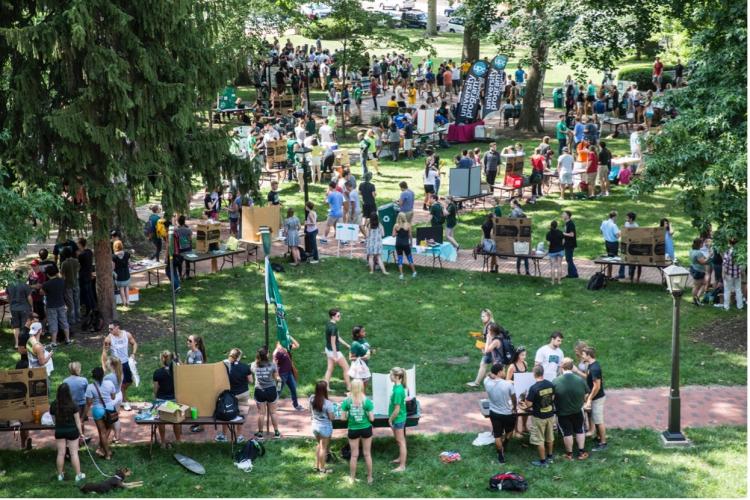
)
(461, 360)
(726, 334)
(144, 327)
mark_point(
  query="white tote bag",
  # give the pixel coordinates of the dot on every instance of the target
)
(521, 247)
(359, 369)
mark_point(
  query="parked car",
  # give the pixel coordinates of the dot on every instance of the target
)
(451, 9)
(414, 19)
(316, 10)
(396, 4)
(455, 25)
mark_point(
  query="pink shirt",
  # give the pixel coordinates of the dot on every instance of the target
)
(625, 175)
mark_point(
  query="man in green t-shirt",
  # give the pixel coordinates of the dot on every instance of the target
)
(333, 344)
(570, 392)
(561, 130)
(437, 213)
(397, 414)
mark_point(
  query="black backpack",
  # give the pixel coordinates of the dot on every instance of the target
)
(227, 407)
(509, 349)
(508, 481)
(252, 450)
(597, 281)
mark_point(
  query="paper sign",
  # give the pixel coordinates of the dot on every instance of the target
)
(521, 383)
(347, 232)
(426, 121)
(382, 388)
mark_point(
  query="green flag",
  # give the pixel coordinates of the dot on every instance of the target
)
(274, 297)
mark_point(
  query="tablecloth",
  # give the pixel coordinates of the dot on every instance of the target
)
(462, 133)
(446, 251)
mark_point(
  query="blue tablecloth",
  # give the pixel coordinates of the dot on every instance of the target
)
(445, 251)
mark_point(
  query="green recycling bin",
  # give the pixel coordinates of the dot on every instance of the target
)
(387, 214)
(557, 97)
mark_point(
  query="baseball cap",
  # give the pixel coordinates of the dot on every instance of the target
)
(35, 328)
(35, 262)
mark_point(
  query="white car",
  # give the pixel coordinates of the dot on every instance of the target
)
(450, 10)
(316, 10)
(395, 4)
(455, 25)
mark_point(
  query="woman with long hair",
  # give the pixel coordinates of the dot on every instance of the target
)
(397, 415)
(487, 320)
(115, 375)
(265, 394)
(402, 232)
(196, 355)
(360, 348)
(100, 395)
(698, 263)
(321, 411)
(357, 410)
(121, 259)
(518, 365)
(67, 431)
(374, 244)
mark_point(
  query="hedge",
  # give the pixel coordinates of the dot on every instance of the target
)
(641, 74)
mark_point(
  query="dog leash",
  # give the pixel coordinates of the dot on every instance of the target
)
(85, 445)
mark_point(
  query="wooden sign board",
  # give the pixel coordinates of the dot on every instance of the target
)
(255, 217)
(643, 245)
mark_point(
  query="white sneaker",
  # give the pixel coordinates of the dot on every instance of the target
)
(80, 477)
(61, 477)
(126, 406)
(414, 274)
(400, 276)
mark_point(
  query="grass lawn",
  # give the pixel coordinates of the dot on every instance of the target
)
(424, 322)
(635, 465)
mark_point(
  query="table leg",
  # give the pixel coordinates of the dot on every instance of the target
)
(152, 440)
(158, 282)
(537, 269)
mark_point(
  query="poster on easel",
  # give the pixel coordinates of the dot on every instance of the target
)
(426, 121)
(382, 387)
(346, 233)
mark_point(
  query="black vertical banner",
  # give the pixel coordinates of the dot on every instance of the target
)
(471, 93)
(494, 86)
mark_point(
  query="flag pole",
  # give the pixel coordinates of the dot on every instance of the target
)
(265, 235)
(170, 269)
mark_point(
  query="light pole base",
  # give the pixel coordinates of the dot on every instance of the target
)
(674, 440)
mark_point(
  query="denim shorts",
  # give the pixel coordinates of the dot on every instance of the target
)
(560, 254)
(321, 430)
(398, 425)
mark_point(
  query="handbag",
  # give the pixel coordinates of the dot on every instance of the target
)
(110, 416)
(521, 247)
(411, 406)
(359, 369)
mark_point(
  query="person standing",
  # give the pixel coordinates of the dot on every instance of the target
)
(437, 213)
(732, 277)
(118, 342)
(151, 231)
(85, 276)
(518, 365)
(19, 297)
(555, 238)
(698, 262)
(451, 221)
(57, 315)
(592, 168)
(679, 70)
(38, 356)
(402, 233)
(196, 355)
(570, 243)
(184, 238)
(550, 356)
(541, 399)
(121, 260)
(335, 201)
(605, 165)
(77, 385)
(332, 348)
(490, 162)
(321, 410)
(487, 321)
(406, 201)
(311, 232)
(570, 392)
(367, 193)
(611, 234)
(656, 77)
(283, 359)
(67, 431)
(265, 394)
(596, 397)
(517, 213)
(357, 410)
(630, 222)
(561, 130)
(397, 415)
(70, 268)
(100, 395)
(291, 229)
(374, 244)
(502, 406)
(240, 377)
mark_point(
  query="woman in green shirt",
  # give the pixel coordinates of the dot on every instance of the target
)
(397, 415)
(451, 220)
(357, 410)
(360, 348)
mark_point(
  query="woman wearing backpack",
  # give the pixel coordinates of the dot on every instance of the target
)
(487, 320)
(321, 410)
(358, 412)
(397, 415)
(266, 394)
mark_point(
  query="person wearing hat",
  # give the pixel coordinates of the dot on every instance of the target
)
(19, 297)
(38, 357)
(565, 163)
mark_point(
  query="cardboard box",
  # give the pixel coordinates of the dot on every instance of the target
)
(512, 164)
(174, 415)
(510, 230)
(643, 245)
(207, 236)
(22, 391)
(255, 217)
(199, 386)
(133, 294)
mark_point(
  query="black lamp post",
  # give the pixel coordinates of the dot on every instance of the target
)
(676, 278)
(171, 269)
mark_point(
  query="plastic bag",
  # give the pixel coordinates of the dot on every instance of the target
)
(47, 419)
(49, 366)
(232, 243)
(134, 371)
(359, 369)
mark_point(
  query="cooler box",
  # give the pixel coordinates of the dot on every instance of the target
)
(387, 215)
(514, 181)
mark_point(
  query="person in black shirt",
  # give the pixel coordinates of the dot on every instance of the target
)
(273, 194)
(240, 377)
(488, 243)
(44, 260)
(541, 399)
(555, 238)
(164, 391)
(57, 315)
(605, 165)
(596, 398)
(85, 275)
(367, 192)
(569, 244)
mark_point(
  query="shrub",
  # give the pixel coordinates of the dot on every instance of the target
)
(641, 74)
(323, 28)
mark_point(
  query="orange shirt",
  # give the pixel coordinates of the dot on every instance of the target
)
(448, 78)
(583, 151)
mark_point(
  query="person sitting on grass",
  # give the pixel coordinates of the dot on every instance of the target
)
(502, 406)
(540, 398)
(397, 415)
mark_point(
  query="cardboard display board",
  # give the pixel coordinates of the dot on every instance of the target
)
(510, 230)
(643, 245)
(382, 387)
(207, 236)
(521, 384)
(21, 392)
(255, 217)
(200, 385)
(430, 233)
(426, 121)
(276, 152)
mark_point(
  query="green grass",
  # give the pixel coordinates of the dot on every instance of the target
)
(635, 465)
(424, 322)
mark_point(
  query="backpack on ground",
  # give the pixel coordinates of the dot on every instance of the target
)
(508, 481)
(509, 349)
(227, 407)
(597, 281)
(252, 450)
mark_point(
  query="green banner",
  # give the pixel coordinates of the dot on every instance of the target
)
(273, 296)
(265, 235)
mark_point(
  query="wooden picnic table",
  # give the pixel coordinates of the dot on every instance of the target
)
(26, 427)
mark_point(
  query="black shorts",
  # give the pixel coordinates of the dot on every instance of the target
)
(368, 210)
(590, 98)
(697, 275)
(67, 434)
(360, 433)
(267, 395)
(570, 424)
(127, 375)
(502, 424)
(429, 188)
(403, 249)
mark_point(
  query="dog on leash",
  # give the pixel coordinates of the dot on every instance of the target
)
(114, 482)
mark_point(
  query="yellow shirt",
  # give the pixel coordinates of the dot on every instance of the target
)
(465, 67)
(412, 96)
(392, 104)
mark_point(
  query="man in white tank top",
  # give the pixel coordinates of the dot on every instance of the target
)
(118, 343)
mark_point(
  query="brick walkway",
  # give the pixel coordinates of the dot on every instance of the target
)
(702, 406)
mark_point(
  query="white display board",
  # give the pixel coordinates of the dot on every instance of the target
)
(382, 388)
(521, 383)
(426, 121)
(347, 232)
(622, 86)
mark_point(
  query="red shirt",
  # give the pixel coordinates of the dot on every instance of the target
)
(658, 67)
(537, 162)
(593, 164)
(373, 86)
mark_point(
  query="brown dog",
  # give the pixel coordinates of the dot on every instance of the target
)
(116, 481)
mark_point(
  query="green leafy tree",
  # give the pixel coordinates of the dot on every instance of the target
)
(704, 149)
(104, 96)
(479, 16)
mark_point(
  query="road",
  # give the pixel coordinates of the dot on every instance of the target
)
(419, 5)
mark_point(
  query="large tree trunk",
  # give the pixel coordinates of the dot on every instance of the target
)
(471, 44)
(431, 18)
(532, 99)
(105, 292)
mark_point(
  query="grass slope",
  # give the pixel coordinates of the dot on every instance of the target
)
(634, 466)
(423, 322)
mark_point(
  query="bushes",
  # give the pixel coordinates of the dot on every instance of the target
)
(323, 28)
(641, 74)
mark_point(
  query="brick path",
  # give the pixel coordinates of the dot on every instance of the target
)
(702, 406)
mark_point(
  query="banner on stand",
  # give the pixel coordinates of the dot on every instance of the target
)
(471, 94)
(494, 85)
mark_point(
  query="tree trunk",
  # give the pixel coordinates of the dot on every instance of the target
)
(431, 18)
(105, 291)
(471, 44)
(532, 99)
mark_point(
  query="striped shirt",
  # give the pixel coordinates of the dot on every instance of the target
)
(730, 268)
